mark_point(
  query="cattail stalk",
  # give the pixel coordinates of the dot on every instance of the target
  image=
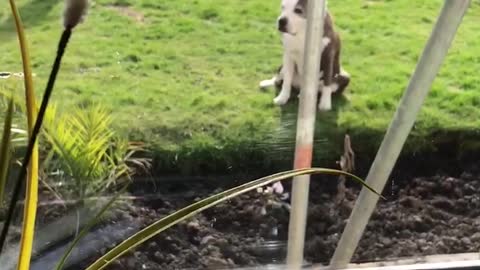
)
(75, 11)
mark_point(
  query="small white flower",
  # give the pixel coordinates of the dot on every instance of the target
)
(75, 11)
(278, 188)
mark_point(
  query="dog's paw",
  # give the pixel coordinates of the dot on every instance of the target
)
(268, 83)
(265, 84)
(324, 107)
(344, 73)
(325, 104)
(281, 100)
(326, 98)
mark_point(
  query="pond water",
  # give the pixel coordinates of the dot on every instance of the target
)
(438, 213)
(177, 84)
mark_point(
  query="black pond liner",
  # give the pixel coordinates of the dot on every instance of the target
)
(87, 247)
(269, 252)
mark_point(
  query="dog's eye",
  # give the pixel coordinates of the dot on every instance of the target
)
(298, 11)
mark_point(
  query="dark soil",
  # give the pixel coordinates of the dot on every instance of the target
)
(438, 214)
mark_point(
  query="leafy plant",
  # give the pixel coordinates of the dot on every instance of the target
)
(85, 149)
(82, 145)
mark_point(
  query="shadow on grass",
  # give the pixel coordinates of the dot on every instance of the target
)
(33, 13)
(328, 139)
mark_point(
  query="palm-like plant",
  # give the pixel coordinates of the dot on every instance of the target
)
(85, 148)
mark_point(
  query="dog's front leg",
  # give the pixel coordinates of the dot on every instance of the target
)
(288, 70)
(329, 86)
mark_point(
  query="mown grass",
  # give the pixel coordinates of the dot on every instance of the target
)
(184, 78)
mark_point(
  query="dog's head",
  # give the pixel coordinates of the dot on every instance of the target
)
(293, 18)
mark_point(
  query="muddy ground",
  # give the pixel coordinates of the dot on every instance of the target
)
(436, 214)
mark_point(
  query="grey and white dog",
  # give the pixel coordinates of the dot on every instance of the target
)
(292, 24)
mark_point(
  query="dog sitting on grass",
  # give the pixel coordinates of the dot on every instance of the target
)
(292, 24)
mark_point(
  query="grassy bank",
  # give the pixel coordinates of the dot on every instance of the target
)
(182, 76)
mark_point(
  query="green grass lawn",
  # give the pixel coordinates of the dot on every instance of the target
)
(183, 75)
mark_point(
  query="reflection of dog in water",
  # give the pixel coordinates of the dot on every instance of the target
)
(292, 23)
(346, 164)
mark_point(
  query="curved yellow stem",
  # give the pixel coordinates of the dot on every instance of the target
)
(30, 210)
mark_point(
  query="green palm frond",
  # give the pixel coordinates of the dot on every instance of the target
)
(88, 150)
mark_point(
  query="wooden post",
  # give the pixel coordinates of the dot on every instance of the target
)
(305, 133)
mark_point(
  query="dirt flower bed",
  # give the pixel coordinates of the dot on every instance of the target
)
(438, 214)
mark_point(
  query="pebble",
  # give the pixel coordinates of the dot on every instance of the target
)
(385, 241)
(476, 237)
(158, 255)
(205, 240)
(466, 241)
(193, 226)
(131, 263)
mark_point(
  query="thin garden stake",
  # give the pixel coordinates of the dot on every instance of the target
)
(305, 133)
(75, 10)
(403, 121)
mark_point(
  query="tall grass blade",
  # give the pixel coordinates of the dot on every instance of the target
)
(31, 197)
(5, 150)
(197, 207)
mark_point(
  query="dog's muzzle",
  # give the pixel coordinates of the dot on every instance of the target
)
(282, 24)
